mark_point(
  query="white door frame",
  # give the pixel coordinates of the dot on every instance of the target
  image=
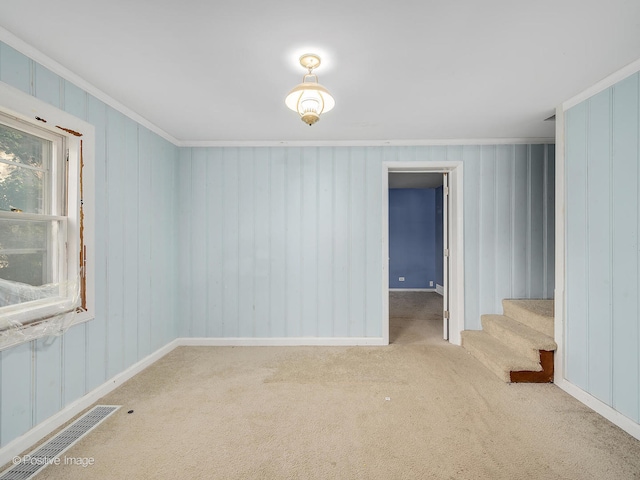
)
(456, 240)
(445, 256)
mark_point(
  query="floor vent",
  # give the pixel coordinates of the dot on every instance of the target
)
(29, 465)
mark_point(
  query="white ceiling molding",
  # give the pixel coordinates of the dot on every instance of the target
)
(373, 143)
(39, 57)
(603, 84)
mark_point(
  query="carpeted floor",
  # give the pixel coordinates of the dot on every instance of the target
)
(415, 317)
(417, 409)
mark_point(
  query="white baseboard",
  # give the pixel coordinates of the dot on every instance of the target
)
(625, 423)
(281, 341)
(37, 433)
(412, 289)
(439, 289)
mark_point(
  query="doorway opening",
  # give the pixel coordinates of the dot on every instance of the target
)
(417, 237)
(444, 179)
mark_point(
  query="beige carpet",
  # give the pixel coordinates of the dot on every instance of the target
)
(417, 409)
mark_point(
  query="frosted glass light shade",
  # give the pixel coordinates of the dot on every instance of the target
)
(306, 90)
(310, 100)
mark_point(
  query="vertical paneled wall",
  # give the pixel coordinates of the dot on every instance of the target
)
(135, 260)
(285, 242)
(602, 332)
(509, 226)
(275, 245)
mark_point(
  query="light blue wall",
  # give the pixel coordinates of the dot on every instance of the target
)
(136, 267)
(602, 217)
(412, 237)
(288, 241)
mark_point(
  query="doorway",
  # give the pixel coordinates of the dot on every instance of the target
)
(452, 288)
(416, 257)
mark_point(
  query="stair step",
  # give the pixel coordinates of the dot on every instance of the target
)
(518, 337)
(496, 356)
(536, 314)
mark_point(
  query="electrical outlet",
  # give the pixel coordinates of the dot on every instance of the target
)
(401, 279)
(431, 283)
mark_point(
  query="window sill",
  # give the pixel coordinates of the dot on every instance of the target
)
(59, 321)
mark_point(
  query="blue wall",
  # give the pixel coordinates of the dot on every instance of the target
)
(412, 237)
(135, 260)
(602, 331)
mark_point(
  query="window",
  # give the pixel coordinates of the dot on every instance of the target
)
(43, 227)
(32, 188)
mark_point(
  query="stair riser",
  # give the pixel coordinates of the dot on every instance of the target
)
(495, 355)
(537, 322)
(511, 340)
(483, 358)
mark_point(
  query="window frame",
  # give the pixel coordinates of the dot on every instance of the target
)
(79, 219)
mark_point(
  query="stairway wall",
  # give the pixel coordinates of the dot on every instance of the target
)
(509, 228)
(602, 323)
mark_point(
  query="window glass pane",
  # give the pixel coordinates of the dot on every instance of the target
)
(22, 147)
(24, 163)
(23, 267)
(21, 189)
(24, 255)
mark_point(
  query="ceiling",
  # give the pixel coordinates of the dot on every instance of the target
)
(400, 71)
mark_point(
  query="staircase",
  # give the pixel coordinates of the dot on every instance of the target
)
(517, 346)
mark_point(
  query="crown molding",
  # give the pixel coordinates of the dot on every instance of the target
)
(47, 62)
(370, 143)
(603, 84)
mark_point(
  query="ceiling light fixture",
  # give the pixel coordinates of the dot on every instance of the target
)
(309, 98)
